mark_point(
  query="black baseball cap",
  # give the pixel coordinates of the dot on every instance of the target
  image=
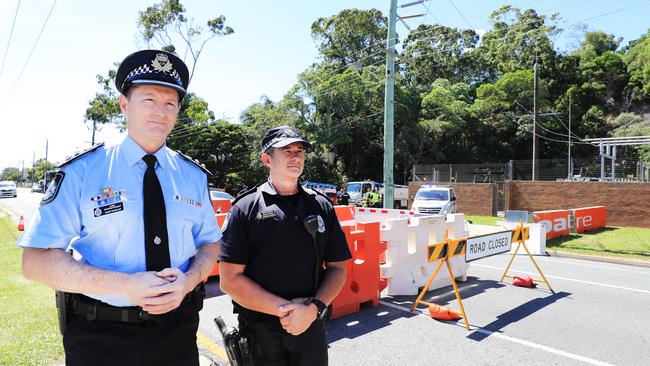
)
(152, 67)
(282, 136)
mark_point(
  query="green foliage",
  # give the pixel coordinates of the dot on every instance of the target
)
(346, 37)
(165, 24)
(11, 173)
(28, 323)
(637, 59)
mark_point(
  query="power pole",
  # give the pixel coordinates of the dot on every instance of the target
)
(535, 113)
(92, 141)
(570, 174)
(46, 148)
(388, 106)
(33, 163)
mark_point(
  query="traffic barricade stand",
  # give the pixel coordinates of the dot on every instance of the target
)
(442, 252)
(520, 235)
(363, 283)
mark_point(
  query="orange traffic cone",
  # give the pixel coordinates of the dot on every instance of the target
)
(443, 313)
(21, 224)
(523, 281)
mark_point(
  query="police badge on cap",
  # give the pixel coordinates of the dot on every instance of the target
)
(153, 67)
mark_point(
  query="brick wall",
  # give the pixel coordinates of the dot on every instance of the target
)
(473, 198)
(628, 204)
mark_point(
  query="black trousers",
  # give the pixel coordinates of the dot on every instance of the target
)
(168, 341)
(273, 346)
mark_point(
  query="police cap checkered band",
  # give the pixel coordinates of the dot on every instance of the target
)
(154, 67)
(282, 136)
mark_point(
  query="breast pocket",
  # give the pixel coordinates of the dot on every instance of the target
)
(110, 232)
(181, 218)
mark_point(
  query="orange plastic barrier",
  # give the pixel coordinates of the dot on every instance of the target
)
(344, 213)
(221, 205)
(590, 218)
(221, 218)
(363, 283)
(555, 221)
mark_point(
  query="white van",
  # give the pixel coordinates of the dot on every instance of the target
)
(432, 200)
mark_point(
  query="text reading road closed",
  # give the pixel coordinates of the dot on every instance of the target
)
(486, 245)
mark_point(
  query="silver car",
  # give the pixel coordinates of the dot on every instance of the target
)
(8, 189)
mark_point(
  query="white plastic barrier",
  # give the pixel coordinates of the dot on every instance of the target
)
(536, 242)
(407, 267)
(364, 214)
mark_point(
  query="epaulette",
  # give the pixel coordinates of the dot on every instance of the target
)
(244, 194)
(195, 162)
(77, 155)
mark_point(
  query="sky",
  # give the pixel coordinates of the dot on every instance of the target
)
(45, 86)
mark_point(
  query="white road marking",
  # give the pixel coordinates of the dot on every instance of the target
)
(567, 279)
(598, 265)
(523, 342)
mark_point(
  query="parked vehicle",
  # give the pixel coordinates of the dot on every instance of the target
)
(8, 189)
(38, 187)
(325, 188)
(358, 190)
(430, 200)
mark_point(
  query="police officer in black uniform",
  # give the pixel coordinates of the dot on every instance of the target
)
(283, 258)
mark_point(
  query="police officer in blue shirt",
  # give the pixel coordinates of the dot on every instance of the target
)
(139, 220)
(283, 259)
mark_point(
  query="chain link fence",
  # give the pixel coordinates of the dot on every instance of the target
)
(547, 170)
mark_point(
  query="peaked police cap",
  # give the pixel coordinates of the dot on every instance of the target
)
(152, 67)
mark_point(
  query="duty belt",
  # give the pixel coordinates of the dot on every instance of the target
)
(93, 309)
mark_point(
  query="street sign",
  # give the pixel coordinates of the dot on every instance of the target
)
(486, 245)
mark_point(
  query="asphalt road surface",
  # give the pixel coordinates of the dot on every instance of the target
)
(598, 315)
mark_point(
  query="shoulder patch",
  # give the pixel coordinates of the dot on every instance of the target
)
(243, 194)
(195, 162)
(53, 189)
(77, 155)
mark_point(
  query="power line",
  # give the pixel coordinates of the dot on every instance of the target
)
(4, 59)
(30, 54)
(461, 14)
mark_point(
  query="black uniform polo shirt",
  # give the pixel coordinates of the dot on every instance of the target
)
(266, 233)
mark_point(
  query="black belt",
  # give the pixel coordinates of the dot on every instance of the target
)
(93, 309)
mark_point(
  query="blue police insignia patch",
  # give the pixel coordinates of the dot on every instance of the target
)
(53, 188)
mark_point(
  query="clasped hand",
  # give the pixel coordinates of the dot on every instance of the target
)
(297, 316)
(158, 292)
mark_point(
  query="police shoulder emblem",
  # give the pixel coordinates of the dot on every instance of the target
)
(53, 188)
(161, 63)
(321, 224)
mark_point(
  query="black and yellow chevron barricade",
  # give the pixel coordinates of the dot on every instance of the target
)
(442, 252)
(520, 235)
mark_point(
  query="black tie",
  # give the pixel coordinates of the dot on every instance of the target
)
(156, 244)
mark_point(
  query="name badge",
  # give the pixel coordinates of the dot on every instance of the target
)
(109, 209)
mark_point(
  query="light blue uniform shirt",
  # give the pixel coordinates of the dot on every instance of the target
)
(98, 210)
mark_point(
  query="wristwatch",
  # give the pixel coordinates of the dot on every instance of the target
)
(323, 310)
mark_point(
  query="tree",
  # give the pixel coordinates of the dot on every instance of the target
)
(348, 37)
(637, 59)
(11, 173)
(166, 24)
(159, 25)
(516, 39)
(438, 52)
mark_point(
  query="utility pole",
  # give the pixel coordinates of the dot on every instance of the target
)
(569, 167)
(33, 163)
(388, 106)
(47, 141)
(92, 141)
(535, 113)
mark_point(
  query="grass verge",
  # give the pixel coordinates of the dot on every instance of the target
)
(611, 241)
(28, 321)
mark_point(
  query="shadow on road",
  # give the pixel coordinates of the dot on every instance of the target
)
(518, 313)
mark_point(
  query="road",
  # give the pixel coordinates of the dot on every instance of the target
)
(598, 315)
(25, 204)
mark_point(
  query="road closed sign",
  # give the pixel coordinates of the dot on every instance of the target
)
(486, 245)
